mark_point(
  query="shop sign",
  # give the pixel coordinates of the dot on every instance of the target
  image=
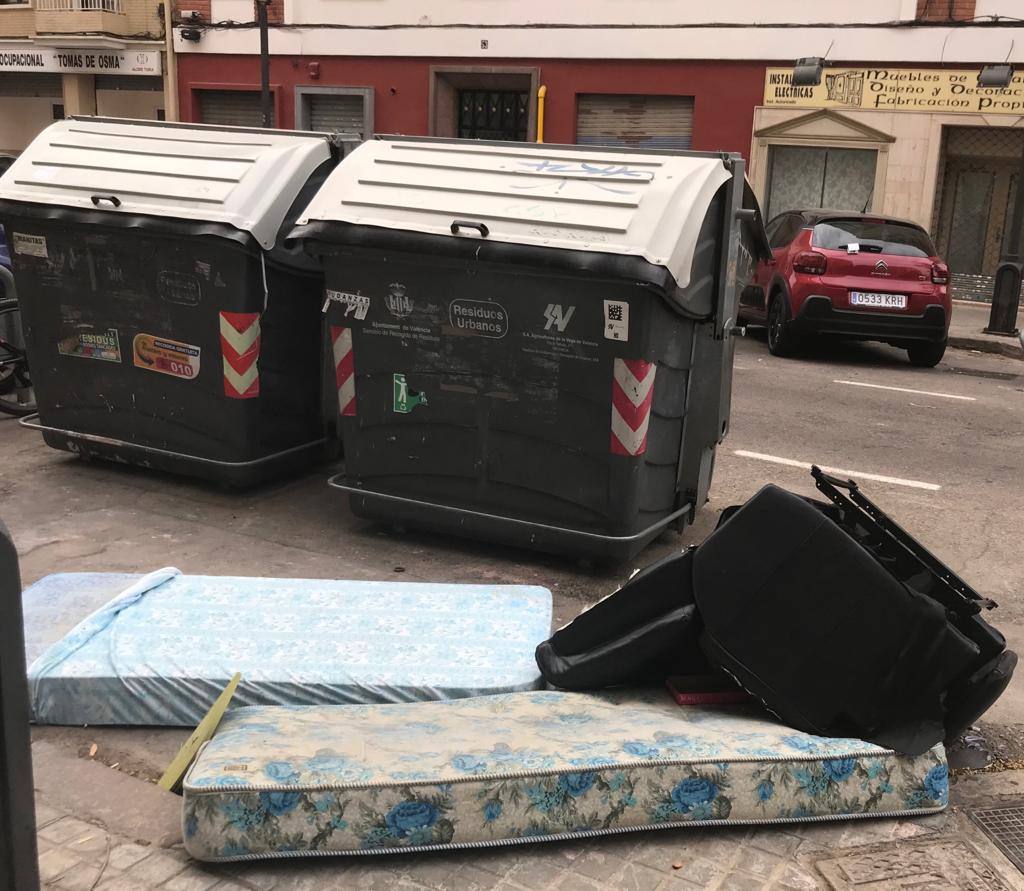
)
(895, 89)
(43, 59)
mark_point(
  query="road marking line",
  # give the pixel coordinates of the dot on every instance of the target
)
(907, 390)
(856, 474)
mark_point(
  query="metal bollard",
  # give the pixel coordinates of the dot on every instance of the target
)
(1006, 299)
(19, 870)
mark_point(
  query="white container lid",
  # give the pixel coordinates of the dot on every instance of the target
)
(246, 178)
(581, 198)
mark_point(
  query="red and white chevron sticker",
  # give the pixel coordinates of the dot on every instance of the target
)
(240, 346)
(632, 392)
(344, 370)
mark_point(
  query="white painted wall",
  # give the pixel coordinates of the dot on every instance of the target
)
(141, 104)
(899, 46)
(595, 12)
(21, 119)
(1005, 8)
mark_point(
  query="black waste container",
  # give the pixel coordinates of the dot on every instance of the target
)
(531, 343)
(165, 325)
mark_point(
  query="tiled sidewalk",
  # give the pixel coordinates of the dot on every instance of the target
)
(942, 851)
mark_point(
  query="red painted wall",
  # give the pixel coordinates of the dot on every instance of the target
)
(725, 93)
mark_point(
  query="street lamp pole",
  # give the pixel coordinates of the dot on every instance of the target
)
(261, 20)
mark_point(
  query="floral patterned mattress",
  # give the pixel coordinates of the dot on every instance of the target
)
(161, 650)
(521, 767)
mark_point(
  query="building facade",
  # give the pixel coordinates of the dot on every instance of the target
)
(63, 57)
(897, 125)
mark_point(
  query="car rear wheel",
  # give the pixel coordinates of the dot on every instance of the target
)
(926, 355)
(782, 340)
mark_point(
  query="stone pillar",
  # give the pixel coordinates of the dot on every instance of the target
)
(79, 94)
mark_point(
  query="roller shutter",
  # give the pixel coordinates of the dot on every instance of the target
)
(337, 113)
(133, 82)
(649, 122)
(41, 85)
(232, 108)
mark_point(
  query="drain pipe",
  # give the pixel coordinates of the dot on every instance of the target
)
(541, 94)
(170, 66)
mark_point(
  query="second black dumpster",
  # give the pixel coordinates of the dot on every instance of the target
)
(531, 343)
(165, 326)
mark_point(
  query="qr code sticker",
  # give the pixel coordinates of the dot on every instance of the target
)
(616, 320)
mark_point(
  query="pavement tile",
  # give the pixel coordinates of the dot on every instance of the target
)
(67, 828)
(264, 875)
(472, 878)
(193, 879)
(793, 878)
(156, 868)
(634, 877)
(46, 814)
(123, 883)
(661, 857)
(573, 882)
(434, 872)
(55, 862)
(756, 862)
(597, 864)
(83, 876)
(91, 846)
(697, 871)
(124, 856)
(537, 872)
(866, 832)
(736, 881)
(722, 849)
(782, 844)
(500, 861)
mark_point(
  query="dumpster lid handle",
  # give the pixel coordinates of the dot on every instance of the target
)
(113, 199)
(480, 227)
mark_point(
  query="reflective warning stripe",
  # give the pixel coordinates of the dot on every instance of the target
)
(344, 370)
(240, 347)
(632, 393)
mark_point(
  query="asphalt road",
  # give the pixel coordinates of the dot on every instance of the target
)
(953, 454)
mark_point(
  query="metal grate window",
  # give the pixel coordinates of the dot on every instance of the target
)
(1005, 826)
(494, 114)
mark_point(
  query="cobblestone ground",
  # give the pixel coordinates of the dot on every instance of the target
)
(942, 852)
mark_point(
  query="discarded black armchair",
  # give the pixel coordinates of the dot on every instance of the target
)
(830, 613)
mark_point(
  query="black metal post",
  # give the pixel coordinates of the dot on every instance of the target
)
(1010, 273)
(19, 869)
(261, 19)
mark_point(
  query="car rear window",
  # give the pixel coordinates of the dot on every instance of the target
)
(874, 236)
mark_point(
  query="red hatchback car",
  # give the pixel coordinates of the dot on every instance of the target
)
(852, 275)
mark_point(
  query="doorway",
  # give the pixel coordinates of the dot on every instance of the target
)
(976, 194)
(477, 102)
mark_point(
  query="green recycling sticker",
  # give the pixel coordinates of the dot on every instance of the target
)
(406, 401)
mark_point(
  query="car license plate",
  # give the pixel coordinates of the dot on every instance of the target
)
(884, 301)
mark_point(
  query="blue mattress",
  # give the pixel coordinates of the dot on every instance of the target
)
(162, 649)
(525, 767)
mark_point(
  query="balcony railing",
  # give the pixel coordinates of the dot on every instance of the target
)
(115, 6)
